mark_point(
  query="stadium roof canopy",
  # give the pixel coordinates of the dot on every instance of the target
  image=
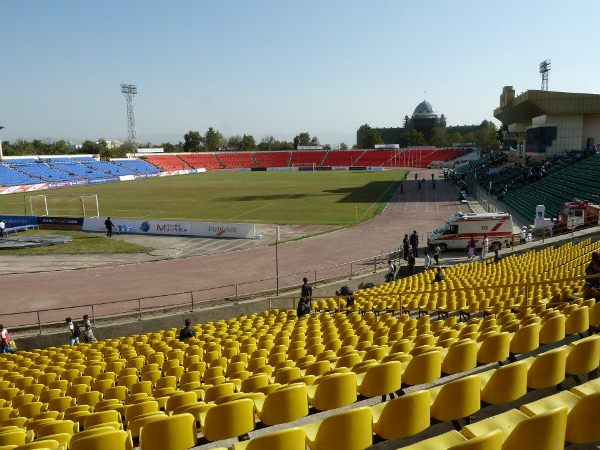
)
(537, 103)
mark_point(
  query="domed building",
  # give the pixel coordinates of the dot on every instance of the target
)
(424, 119)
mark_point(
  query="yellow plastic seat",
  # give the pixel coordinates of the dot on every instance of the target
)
(505, 384)
(583, 356)
(525, 339)
(288, 439)
(440, 442)
(553, 330)
(413, 408)
(587, 388)
(460, 357)
(175, 433)
(113, 440)
(101, 417)
(138, 422)
(494, 348)
(13, 438)
(381, 380)
(582, 420)
(333, 391)
(578, 321)
(179, 399)
(457, 399)
(58, 426)
(138, 409)
(350, 430)
(423, 368)
(49, 444)
(489, 441)
(542, 432)
(228, 420)
(546, 369)
(284, 405)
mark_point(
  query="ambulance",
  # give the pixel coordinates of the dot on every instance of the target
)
(457, 231)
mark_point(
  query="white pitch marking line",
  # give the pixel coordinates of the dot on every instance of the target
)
(249, 212)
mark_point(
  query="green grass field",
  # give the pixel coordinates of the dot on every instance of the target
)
(333, 198)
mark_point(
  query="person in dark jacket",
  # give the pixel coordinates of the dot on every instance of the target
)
(109, 226)
(187, 331)
(414, 243)
(347, 293)
(405, 247)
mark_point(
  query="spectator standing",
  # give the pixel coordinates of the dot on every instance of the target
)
(306, 290)
(427, 262)
(592, 285)
(187, 331)
(391, 273)
(5, 346)
(414, 243)
(485, 246)
(523, 235)
(529, 236)
(88, 330)
(2, 228)
(497, 257)
(432, 177)
(405, 246)
(109, 226)
(74, 331)
(416, 176)
(471, 248)
(411, 264)
(436, 254)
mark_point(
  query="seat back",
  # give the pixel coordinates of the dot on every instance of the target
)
(545, 431)
(348, 430)
(584, 356)
(494, 348)
(335, 391)
(489, 441)
(175, 433)
(59, 426)
(229, 420)
(578, 321)
(506, 384)
(289, 439)
(114, 440)
(553, 329)
(526, 339)
(582, 421)
(423, 368)
(457, 399)
(381, 379)
(285, 405)
(461, 356)
(547, 369)
(414, 410)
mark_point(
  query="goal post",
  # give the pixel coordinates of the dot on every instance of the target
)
(70, 205)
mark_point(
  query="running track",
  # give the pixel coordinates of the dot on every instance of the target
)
(420, 210)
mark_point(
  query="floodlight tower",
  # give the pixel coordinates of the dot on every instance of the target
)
(544, 69)
(129, 90)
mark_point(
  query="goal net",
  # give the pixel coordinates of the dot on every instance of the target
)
(69, 205)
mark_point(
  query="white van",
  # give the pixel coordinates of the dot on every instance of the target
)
(461, 227)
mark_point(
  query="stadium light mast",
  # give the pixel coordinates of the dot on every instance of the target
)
(129, 90)
(544, 69)
(1, 154)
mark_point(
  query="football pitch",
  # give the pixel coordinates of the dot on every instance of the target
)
(332, 198)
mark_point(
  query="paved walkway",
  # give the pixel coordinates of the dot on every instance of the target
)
(415, 209)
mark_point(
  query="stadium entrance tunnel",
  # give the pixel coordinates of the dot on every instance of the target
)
(32, 241)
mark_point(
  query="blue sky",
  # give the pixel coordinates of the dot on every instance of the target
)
(278, 67)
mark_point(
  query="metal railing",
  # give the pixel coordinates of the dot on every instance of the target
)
(137, 307)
